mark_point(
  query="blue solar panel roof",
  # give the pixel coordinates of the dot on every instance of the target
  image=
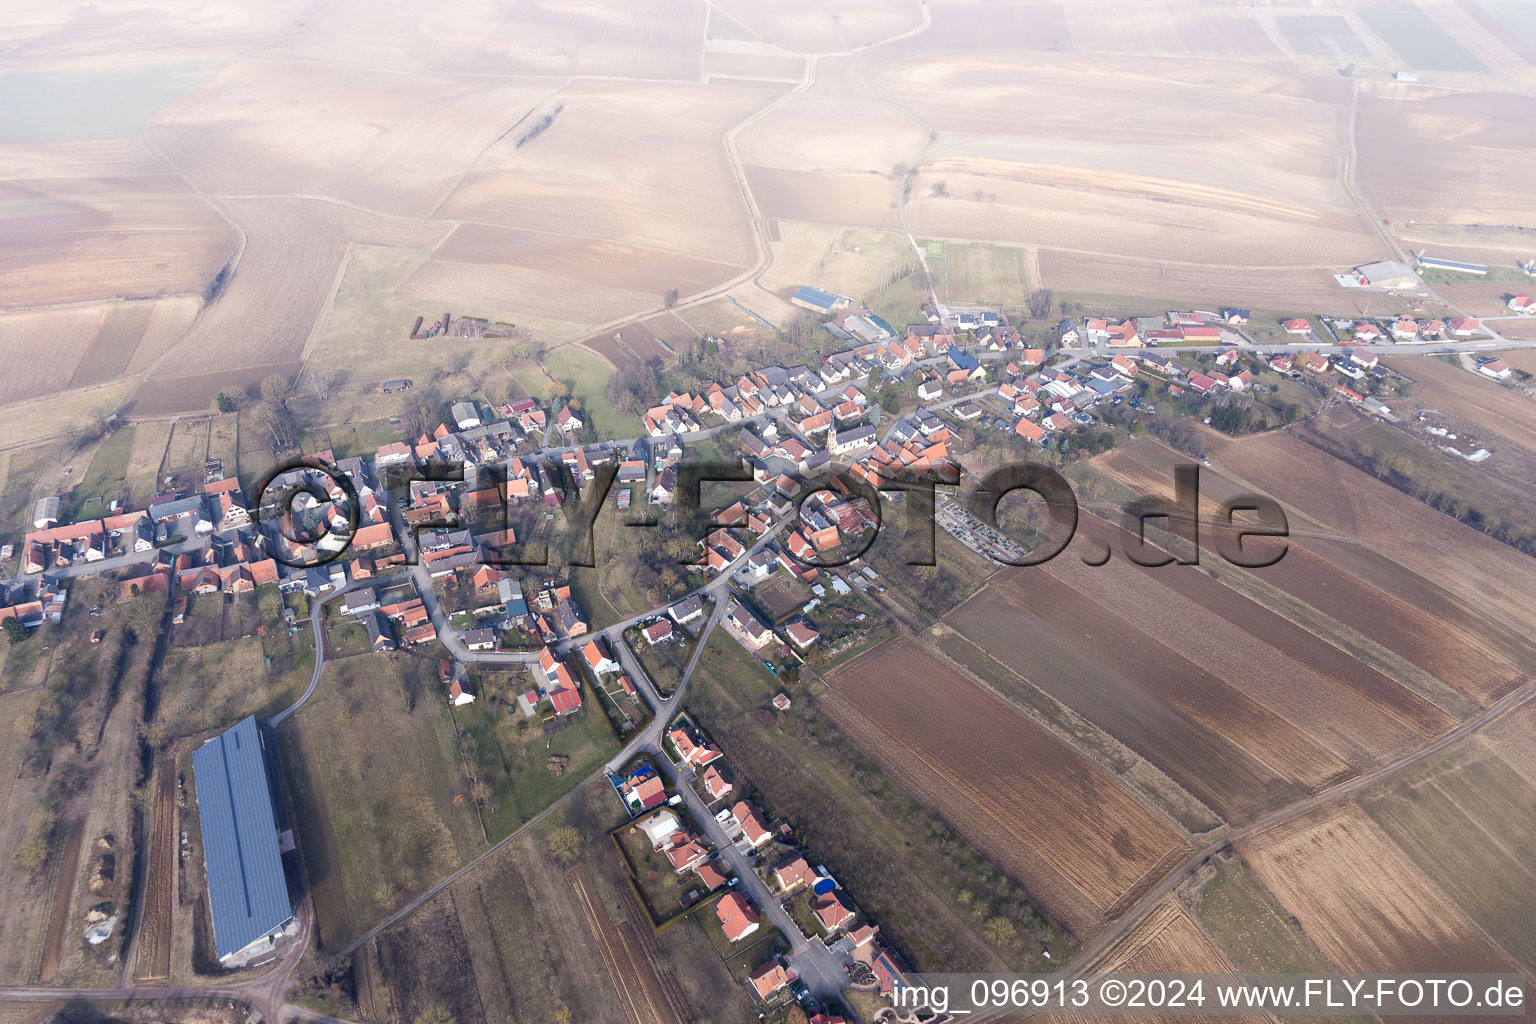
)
(245, 867)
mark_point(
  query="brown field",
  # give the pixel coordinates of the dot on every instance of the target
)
(1359, 715)
(861, 200)
(1011, 789)
(78, 250)
(674, 178)
(1227, 33)
(588, 261)
(152, 944)
(1488, 580)
(1494, 134)
(1354, 584)
(1501, 411)
(1360, 898)
(58, 917)
(1180, 725)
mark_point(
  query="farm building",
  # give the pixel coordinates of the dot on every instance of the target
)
(817, 300)
(1436, 263)
(1387, 274)
(244, 831)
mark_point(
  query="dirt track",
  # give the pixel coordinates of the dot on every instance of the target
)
(63, 892)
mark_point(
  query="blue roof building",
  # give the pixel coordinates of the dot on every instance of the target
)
(241, 822)
(815, 298)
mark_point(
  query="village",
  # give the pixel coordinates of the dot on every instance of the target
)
(403, 556)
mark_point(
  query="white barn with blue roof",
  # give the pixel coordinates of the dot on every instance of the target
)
(242, 821)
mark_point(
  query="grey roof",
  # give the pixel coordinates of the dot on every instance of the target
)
(245, 868)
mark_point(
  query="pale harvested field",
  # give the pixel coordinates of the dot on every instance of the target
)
(804, 26)
(1279, 140)
(1166, 941)
(591, 262)
(518, 293)
(1189, 282)
(1489, 578)
(643, 39)
(1472, 151)
(1363, 901)
(287, 271)
(1388, 604)
(1104, 27)
(1469, 822)
(106, 247)
(672, 182)
(857, 200)
(1014, 791)
(1501, 411)
(824, 256)
(171, 319)
(1223, 32)
(392, 143)
(967, 27)
(60, 336)
(752, 65)
(844, 130)
(1513, 738)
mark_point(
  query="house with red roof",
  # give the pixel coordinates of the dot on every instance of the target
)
(737, 918)
(1297, 326)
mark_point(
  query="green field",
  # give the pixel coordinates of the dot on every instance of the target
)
(587, 377)
(1469, 821)
(985, 275)
(1420, 41)
(108, 471)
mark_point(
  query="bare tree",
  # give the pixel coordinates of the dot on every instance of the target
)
(320, 384)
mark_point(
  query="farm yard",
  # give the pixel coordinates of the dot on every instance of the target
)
(1081, 872)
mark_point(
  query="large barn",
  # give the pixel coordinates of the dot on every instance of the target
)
(242, 823)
